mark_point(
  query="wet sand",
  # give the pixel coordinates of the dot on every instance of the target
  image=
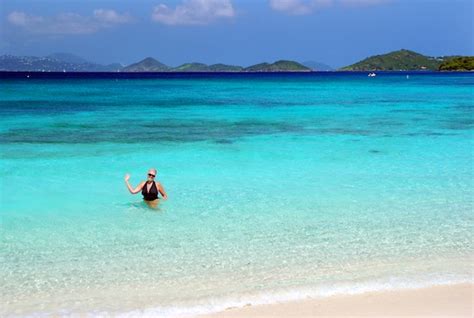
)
(441, 301)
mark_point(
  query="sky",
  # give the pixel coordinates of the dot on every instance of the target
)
(240, 32)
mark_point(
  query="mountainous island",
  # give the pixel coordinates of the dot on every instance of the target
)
(147, 65)
(63, 62)
(317, 66)
(57, 62)
(278, 66)
(151, 65)
(402, 60)
(406, 60)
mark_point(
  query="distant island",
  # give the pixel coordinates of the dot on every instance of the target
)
(318, 66)
(406, 60)
(63, 62)
(402, 60)
(147, 65)
(151, 65)
(57, 62)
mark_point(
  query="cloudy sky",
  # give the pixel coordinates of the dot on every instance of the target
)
(337, 32)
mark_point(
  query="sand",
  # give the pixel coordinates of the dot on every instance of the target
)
(441, 301)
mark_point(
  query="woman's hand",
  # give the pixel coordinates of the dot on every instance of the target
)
(127, 177)
(162, 191)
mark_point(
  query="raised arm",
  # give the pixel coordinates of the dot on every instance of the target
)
(130, 188)
(162, 190)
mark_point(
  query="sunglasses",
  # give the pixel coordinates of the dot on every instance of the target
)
(151, 175)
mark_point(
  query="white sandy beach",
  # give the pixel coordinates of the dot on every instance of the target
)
(439, 301)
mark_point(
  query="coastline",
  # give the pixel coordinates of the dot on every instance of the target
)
(447, 298)
(442, 300)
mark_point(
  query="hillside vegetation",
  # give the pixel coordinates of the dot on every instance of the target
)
(461, 63)
(402, 60)
(278, 66)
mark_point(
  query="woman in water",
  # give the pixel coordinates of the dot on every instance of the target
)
(149, 188)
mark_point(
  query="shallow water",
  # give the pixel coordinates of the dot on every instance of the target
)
(280, 187)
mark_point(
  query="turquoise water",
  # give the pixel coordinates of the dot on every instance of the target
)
(280, 187)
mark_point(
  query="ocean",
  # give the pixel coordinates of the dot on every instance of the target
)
(281, 187)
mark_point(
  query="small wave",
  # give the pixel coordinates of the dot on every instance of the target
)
(214, 305)
(266, 298)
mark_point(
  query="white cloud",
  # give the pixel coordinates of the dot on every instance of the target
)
(298, 6)
(308, 6)
(67, 23)
(362, 2)
(193, 12)
(111, 16)
(18, 18)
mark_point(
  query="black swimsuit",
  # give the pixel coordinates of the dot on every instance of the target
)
(152, 195)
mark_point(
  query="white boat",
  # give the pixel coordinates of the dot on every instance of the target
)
(372, 75)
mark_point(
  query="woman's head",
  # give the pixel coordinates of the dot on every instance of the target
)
(151, 174)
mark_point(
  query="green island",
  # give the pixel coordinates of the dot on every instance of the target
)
(63, 62)
(406, 60)
(201, 67)
(152, 65)
(401, 60)
(149, 64)
(278, 66)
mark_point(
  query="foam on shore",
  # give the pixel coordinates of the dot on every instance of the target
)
(297, 294)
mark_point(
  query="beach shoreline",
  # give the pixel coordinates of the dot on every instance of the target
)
(442, 300)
